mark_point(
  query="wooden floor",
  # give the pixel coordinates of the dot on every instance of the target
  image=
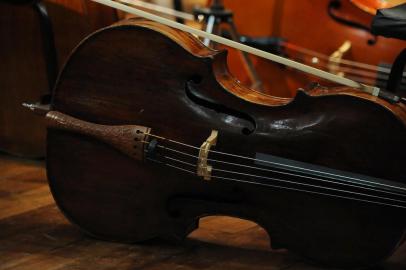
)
(35, 235)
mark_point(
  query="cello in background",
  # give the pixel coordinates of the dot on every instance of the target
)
(315, 33)
(23, 72)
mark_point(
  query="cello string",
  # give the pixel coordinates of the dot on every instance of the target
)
(362, 77)
(368, 81)
(341, 61)
(306, 185)
(378, 83)
(327, 174)
(286, 181)
(378, 73)
(350, 70)
(180, 161)
(285, 166)
(297, 183)
(368, 187)
(362, 186)
(277, 179)
(191, 17)
(308, 191)
(278, 186)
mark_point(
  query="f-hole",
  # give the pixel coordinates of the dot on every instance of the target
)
(193, 95)
(336, 5)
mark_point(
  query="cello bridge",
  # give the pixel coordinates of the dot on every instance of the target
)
(203, 168)
(335, 58)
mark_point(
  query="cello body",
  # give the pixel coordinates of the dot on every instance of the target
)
(180, 89)
(23, 71)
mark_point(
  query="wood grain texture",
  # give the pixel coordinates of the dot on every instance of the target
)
(127, 139)
(41, 238)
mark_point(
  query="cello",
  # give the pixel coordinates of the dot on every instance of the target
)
(347, 49)
(145, 140)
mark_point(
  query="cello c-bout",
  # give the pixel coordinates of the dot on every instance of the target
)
(144, 140)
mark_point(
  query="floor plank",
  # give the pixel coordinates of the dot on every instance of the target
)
(35, 235)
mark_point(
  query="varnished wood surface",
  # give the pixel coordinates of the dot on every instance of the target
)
(292, 20)
(35, 235)
(113, 197)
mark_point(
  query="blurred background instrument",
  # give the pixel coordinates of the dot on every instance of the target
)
(306, 32)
